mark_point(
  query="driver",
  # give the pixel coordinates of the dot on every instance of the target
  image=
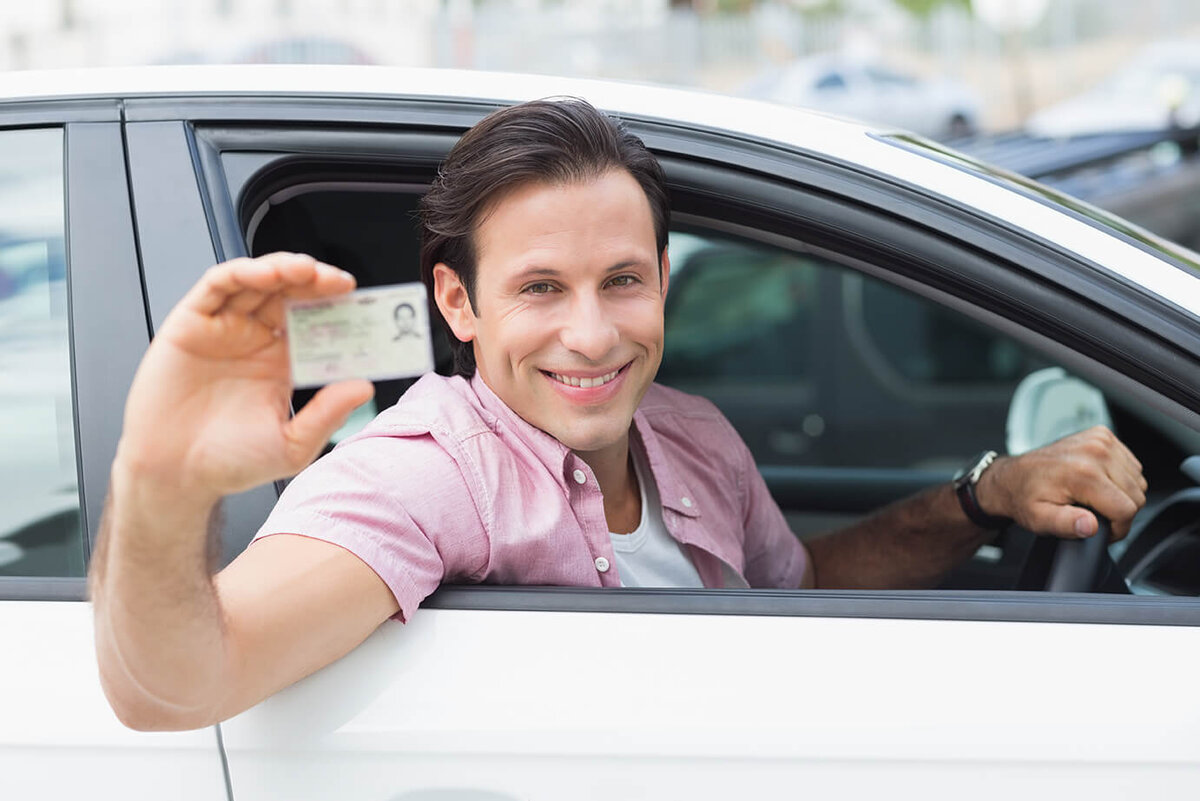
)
(550, 457)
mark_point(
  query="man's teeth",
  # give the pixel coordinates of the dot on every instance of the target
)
(584, 383)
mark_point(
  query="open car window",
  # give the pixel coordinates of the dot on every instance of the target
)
(853, 390)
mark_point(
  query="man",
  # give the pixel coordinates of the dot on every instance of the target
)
(405, 318)
(549, 452)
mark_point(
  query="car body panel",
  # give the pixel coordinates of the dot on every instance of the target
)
(58, 736)
(549, 705)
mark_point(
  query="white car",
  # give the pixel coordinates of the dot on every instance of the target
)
(1158, 89)
(873, 92)
(885, 301)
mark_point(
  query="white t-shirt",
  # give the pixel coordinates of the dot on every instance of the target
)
(648, 556)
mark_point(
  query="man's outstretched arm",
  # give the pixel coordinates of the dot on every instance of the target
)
(915, 542)
(207, 416)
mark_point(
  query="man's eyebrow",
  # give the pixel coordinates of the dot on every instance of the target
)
(535, 271)
(626, 264)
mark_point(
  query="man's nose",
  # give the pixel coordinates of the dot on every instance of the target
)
(590, 330)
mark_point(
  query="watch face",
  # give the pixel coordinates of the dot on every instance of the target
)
(970, 468)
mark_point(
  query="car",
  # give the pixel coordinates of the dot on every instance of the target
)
(867, 307)
(873, 91)
(1157, 89)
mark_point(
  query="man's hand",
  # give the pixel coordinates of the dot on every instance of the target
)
(208, 413)
(1043, 490)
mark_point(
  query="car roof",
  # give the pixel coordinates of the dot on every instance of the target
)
(640, 99)
(867, 148)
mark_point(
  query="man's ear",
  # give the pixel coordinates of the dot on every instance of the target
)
(453, 302)
(664, 272)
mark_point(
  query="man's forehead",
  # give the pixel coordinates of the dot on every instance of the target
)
(530, 216)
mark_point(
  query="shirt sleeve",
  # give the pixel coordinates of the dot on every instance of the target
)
(775, 557)
(400, 504)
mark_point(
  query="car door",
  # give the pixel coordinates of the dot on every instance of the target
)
(534, 692)
(72, 327)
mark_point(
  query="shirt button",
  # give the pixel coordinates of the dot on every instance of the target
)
(580, 477)
(686, 501)
(601, 564)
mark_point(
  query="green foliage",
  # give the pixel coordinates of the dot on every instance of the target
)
(923, 8)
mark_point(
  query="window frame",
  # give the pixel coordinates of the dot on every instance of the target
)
(107, 334)
(1006, 279)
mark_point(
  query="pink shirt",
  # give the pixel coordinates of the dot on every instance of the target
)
(450, 485)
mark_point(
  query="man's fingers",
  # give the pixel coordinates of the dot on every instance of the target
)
(225, 280)
(246, 302)
(242, 285)
(1132, 485)
(1119, 508)
(312, 426)
(1065, 520)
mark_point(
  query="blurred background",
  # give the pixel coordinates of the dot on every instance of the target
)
(1100, 98)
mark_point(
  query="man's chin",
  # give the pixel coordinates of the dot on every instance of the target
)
(593, 439)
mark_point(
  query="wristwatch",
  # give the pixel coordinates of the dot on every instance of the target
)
(964, 487)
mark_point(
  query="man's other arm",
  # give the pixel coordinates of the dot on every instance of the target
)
(208, 416)
(915, 542)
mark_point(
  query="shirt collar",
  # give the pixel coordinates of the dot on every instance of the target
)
(673, 493)
(540, 441)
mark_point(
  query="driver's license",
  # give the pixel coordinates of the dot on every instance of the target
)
(377, 333)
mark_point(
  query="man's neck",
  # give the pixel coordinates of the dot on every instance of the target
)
(613, 468)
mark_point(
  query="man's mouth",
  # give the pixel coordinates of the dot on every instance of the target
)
(584, 382)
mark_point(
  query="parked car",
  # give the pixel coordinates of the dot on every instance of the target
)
(1156, 90)
(871, 91)
(862, 305)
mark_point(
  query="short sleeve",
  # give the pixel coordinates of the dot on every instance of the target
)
(398, 503)
(775, 557)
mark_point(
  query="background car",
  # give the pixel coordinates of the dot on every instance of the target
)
(861, 304)
(1158, 89)
(863, 89)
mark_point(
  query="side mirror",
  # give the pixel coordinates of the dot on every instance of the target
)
(1048, 405)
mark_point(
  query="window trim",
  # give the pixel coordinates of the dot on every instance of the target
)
(42, 588)
(836, 205)
(988, 606)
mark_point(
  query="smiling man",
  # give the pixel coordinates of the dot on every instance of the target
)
(550, 457)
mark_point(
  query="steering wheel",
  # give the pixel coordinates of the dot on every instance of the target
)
(1077, 564)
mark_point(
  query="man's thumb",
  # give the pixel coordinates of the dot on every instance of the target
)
(1071, 522)
(313, 425)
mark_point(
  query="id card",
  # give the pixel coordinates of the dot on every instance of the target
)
(378, 334)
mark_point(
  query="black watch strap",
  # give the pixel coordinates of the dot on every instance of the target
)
(964, 489)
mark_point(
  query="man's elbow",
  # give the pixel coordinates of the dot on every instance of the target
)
(139, 710)
(144, 714)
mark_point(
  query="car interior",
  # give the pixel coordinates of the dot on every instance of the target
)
(851, 392)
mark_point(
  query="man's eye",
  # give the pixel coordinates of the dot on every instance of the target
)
(540, 288)
(623, 280)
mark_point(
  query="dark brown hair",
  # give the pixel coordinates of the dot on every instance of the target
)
(543, 141)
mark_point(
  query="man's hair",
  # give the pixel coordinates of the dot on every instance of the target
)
(554, 142)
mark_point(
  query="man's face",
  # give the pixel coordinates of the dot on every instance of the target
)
(567, 323)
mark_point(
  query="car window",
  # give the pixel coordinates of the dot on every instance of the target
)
(40, 532)
(816, 364)
(850, 392)
(830, 81)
